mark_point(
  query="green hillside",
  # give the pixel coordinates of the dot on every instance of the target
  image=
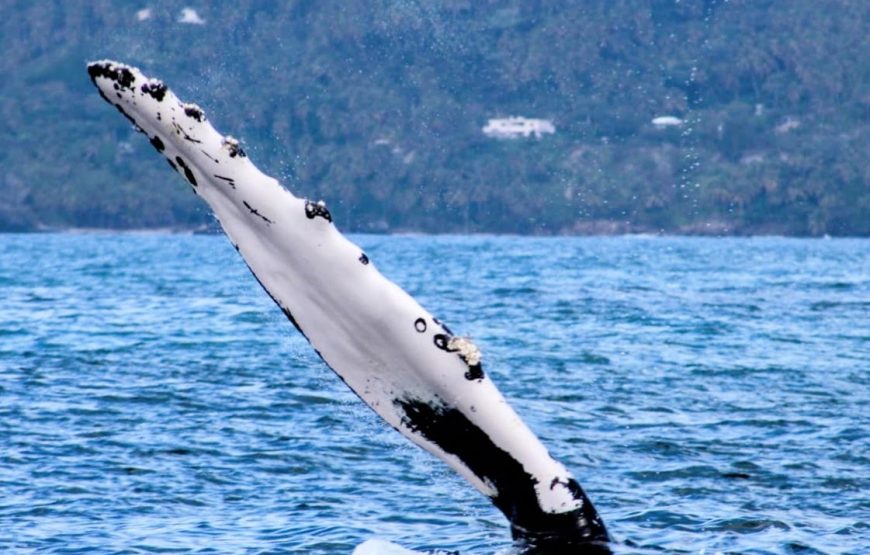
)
(378, 108)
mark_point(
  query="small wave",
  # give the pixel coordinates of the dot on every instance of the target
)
(745, 525)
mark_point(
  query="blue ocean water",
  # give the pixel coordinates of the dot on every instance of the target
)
(711, 395)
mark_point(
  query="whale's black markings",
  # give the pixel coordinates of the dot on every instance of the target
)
(230, 181)
(475, 371)
(364, 259)
(156, 90)
(210, 157)
(234, 148)
(317, 210)
(122, 78)
(188, 173)
(157, 143)
(172, 164)
(515, 494)
(420, 325)
(195, 112)
(120, 75)
(440, 341)
(254, 211)
(180, 131)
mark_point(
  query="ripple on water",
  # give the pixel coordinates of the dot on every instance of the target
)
(710, 395)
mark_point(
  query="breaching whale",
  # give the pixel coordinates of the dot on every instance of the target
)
(426, 382)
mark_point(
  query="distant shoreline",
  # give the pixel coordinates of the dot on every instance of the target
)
(215, 231)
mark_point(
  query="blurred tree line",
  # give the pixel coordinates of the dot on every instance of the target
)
(377, 107)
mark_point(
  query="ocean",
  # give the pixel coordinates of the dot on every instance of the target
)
(711, 395)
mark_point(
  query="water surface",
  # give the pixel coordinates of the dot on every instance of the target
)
(711, 395)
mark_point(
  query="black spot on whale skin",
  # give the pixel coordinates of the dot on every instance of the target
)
(209, 156)
(420, 325)
(157, 143)
(96, 70)
(188, 173)
(236, 150)
(364, 259)
(172, 164)
(317, 210)
(230, 181)
(256, 212)
(475, 372)
(195, 113)
(515, 495)
(157, 91)
(117, 107)
(440, 341)
(122, 76)
(180, 131)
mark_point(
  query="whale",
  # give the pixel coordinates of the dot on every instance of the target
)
(404, 363)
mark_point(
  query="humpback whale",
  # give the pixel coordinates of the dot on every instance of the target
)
(404, 363)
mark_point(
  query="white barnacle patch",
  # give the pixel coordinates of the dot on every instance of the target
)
(231, 145)
(463, 346)
(317, 210)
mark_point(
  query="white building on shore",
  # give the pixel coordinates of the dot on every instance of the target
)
(516, 127)
(662, 122)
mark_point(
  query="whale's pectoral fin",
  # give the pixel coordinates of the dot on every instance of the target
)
(404, 363)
